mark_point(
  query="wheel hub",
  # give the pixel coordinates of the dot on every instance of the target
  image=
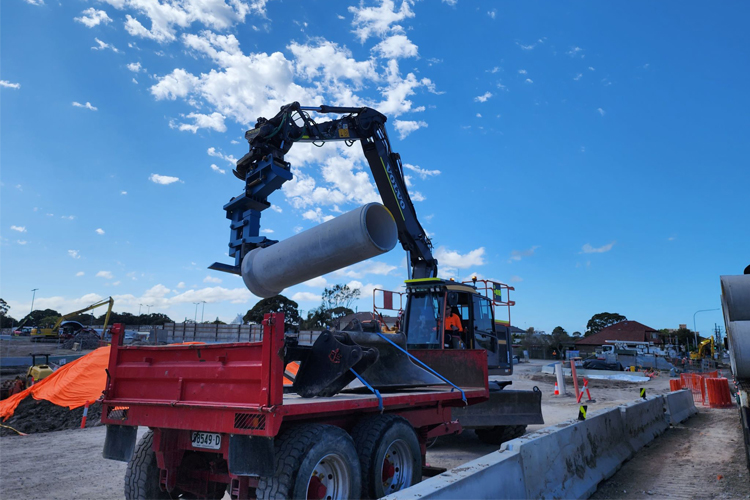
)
(396, 471)
(329, 480)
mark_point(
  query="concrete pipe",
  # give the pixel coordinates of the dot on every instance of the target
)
(350, 238)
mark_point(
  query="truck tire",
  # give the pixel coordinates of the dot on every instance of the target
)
(313, 461)
(142, 474)
(389, 455)
(500, 433)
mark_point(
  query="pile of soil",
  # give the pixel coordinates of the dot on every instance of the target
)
(87, 340)
(33, 416)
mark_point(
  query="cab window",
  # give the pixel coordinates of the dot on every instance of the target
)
(482, 314)
(425, 310)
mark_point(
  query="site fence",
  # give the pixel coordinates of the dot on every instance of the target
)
(696, 383)
(205, 332)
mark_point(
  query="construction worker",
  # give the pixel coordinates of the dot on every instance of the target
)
(453, 329)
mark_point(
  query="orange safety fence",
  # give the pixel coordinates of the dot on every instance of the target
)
(717, 390)
(696, 382)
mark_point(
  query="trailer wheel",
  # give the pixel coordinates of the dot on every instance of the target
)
(313, 461)
(389, 455)
(142, 474)
(500, 433)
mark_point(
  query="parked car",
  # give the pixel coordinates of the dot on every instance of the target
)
(24, 331)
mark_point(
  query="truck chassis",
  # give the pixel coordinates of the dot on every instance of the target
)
(220, 419)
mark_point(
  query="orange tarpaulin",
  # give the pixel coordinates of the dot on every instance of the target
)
(71, 385)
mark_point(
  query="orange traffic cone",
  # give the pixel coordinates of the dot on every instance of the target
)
(557, 391)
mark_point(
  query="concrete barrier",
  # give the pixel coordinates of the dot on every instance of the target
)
(643, 421)
(498, 475)
(679, 406)
(569, 460)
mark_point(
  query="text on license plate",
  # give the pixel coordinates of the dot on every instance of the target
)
(208, 440)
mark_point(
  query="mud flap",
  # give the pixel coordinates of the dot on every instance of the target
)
(504, 407)
(251, 455)
(119, 442)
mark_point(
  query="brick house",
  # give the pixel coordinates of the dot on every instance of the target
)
(627, 331)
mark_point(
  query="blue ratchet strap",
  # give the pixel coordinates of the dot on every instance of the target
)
(463, 394)
(375, 391)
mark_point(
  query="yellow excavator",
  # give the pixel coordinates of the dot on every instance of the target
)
(705, 350)
(41, 334)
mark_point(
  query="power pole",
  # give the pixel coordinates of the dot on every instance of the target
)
(203, 309)
(195, 318)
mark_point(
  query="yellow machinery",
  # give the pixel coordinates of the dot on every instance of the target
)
(54, 332)
(705, 349)
(37, 372)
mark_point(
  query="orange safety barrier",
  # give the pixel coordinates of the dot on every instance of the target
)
(696, 382)
(675, 385)
(717, 390)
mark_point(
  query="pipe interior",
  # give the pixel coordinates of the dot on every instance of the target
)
(381, 227)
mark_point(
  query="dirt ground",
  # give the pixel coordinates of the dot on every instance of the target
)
(702, 458)
(68, 464)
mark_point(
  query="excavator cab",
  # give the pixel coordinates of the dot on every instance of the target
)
(476, 304)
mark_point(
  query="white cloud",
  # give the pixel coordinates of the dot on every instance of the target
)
(135, 67)
(452, 258)
(422, 172)
(80, 273)
(7, 84)
(213, 121)
(526, 47)
(601, 111)
(529, 80)
(492, 13)
(217, 169)
(316, 215)
(574, 51)
(483, 98)
(578, 76)
(218, 154)
(135, 81)
(35, 2)
(86, 106)
(405, 127)
(123, 192)
(20, 229)
(74, 253)
(365, 291)
(104, 274)
(21, 242)
(516, 279)
(103, 46)
(318, 282)
(587, 248)
(306, 297)
(517, 255)
(479, 115)
(68, 217)
(181, 284)
(267, 231)
(522, 71)
(163, 179)
(92, 17)
(211, 279)
(166, 17)
(591, 68)
(396, 46)
(377, 21)
(276, 208)
(100, 231)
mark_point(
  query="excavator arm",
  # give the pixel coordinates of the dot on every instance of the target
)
(264, 170)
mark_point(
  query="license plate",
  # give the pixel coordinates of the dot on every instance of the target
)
(208, 440)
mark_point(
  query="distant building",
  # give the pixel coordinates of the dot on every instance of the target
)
(627, 331)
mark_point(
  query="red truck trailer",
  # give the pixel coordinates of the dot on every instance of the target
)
(220, 419)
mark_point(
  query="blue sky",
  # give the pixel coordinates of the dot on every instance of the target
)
(594, 156)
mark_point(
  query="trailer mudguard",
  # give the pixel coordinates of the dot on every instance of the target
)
(119, 443)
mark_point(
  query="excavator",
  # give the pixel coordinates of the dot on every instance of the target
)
(385, 360)
(705, 349)
(53, 334)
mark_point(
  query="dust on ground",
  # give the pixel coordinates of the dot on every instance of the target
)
(702, 458)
